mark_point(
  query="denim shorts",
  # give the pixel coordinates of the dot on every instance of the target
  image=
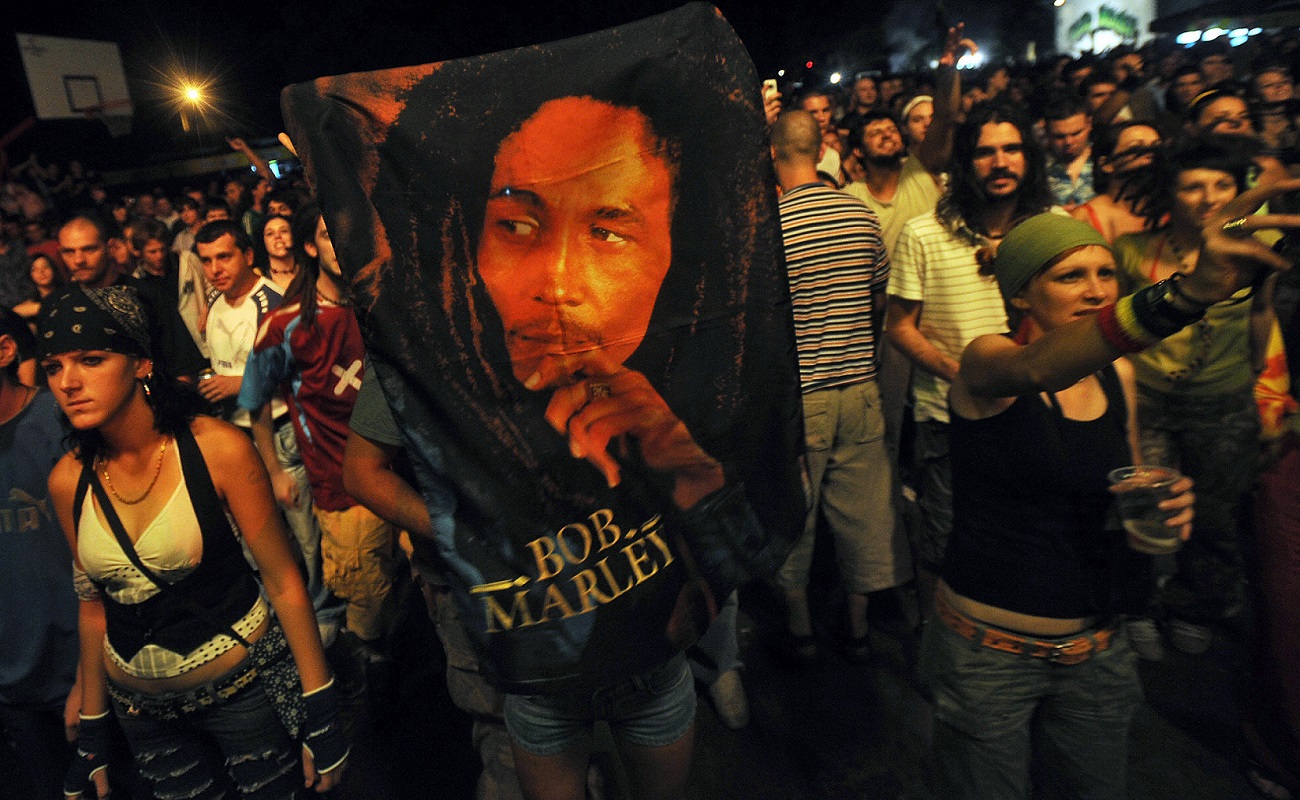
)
(653, 709)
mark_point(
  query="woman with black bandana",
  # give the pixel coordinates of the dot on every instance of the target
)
(173, 624)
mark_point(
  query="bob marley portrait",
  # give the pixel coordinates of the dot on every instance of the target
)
(566, 262)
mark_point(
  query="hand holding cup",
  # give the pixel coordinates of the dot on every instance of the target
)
(1155, 504)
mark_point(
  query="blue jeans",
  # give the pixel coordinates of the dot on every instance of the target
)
(989, 706)
(238, 746)
(306, 532)
(653, 709)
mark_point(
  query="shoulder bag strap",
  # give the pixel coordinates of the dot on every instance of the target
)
(119, 532)
(79, 497)
(208, 509)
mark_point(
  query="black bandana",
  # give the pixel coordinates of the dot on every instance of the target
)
(111, 319)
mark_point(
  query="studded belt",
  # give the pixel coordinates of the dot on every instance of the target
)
(1064, 651)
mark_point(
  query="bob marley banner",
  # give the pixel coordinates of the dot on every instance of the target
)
(567, 265)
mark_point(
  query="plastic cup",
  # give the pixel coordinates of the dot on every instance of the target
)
(1141, 488)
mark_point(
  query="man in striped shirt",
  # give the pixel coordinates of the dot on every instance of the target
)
(838, 268)
(939, 299)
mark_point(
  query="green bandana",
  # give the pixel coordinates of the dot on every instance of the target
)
(1036, 241)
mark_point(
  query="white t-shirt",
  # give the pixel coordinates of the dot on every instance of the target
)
(232, 330)
(933, 266)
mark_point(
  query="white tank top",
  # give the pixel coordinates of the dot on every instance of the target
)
(171, 546)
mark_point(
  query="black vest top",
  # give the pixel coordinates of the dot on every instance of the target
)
(1033, 524)
(222, 585)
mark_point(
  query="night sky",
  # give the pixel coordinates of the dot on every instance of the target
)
(252, 49)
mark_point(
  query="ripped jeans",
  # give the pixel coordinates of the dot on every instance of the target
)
(237, 749)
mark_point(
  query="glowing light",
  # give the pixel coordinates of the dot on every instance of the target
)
(1212, 34)
(192, 99)
(1058, 3)
(780, 73)
(971, 60)
(1188, 37)
(1104, 39)
(835, 77)
(1236, 41)
(808, 65)
(1254, 31)
(1239, 33)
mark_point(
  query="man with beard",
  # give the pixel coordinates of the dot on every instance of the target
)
(940, 298)
(897, 185)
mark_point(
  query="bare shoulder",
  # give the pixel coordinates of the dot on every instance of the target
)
(226, 449)
(63, 478)
(1127, 379)
(1124, 369)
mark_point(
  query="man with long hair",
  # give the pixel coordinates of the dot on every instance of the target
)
(939, 300)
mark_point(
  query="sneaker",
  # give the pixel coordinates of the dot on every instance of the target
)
(728, 696)
(1190, 637)
(1144, 638)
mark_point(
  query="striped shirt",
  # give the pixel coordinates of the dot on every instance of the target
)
(835, 259)
(939, 270)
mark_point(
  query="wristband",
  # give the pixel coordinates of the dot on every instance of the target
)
(91, 756)
(322, 734)
(1143, 318)
(1120, 328)
(1156, 312)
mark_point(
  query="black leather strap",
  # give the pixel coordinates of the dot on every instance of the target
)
(124, 541)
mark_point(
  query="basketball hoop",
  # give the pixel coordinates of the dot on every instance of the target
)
(118, 124)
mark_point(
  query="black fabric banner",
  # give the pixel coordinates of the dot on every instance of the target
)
(566, 260)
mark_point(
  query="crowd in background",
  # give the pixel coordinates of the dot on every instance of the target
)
(1111, 129)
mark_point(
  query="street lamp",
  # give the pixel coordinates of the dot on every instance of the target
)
(190, 96)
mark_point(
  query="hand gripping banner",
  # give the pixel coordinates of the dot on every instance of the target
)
(566, 260)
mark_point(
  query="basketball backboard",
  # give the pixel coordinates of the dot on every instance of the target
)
(74, 78)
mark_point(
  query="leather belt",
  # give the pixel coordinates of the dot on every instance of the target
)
(1067, 652)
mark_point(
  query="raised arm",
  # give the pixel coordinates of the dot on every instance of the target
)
(936, 148)
(992, 366)
(261, 165)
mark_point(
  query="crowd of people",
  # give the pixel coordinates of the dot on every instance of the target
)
(1004, 286)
